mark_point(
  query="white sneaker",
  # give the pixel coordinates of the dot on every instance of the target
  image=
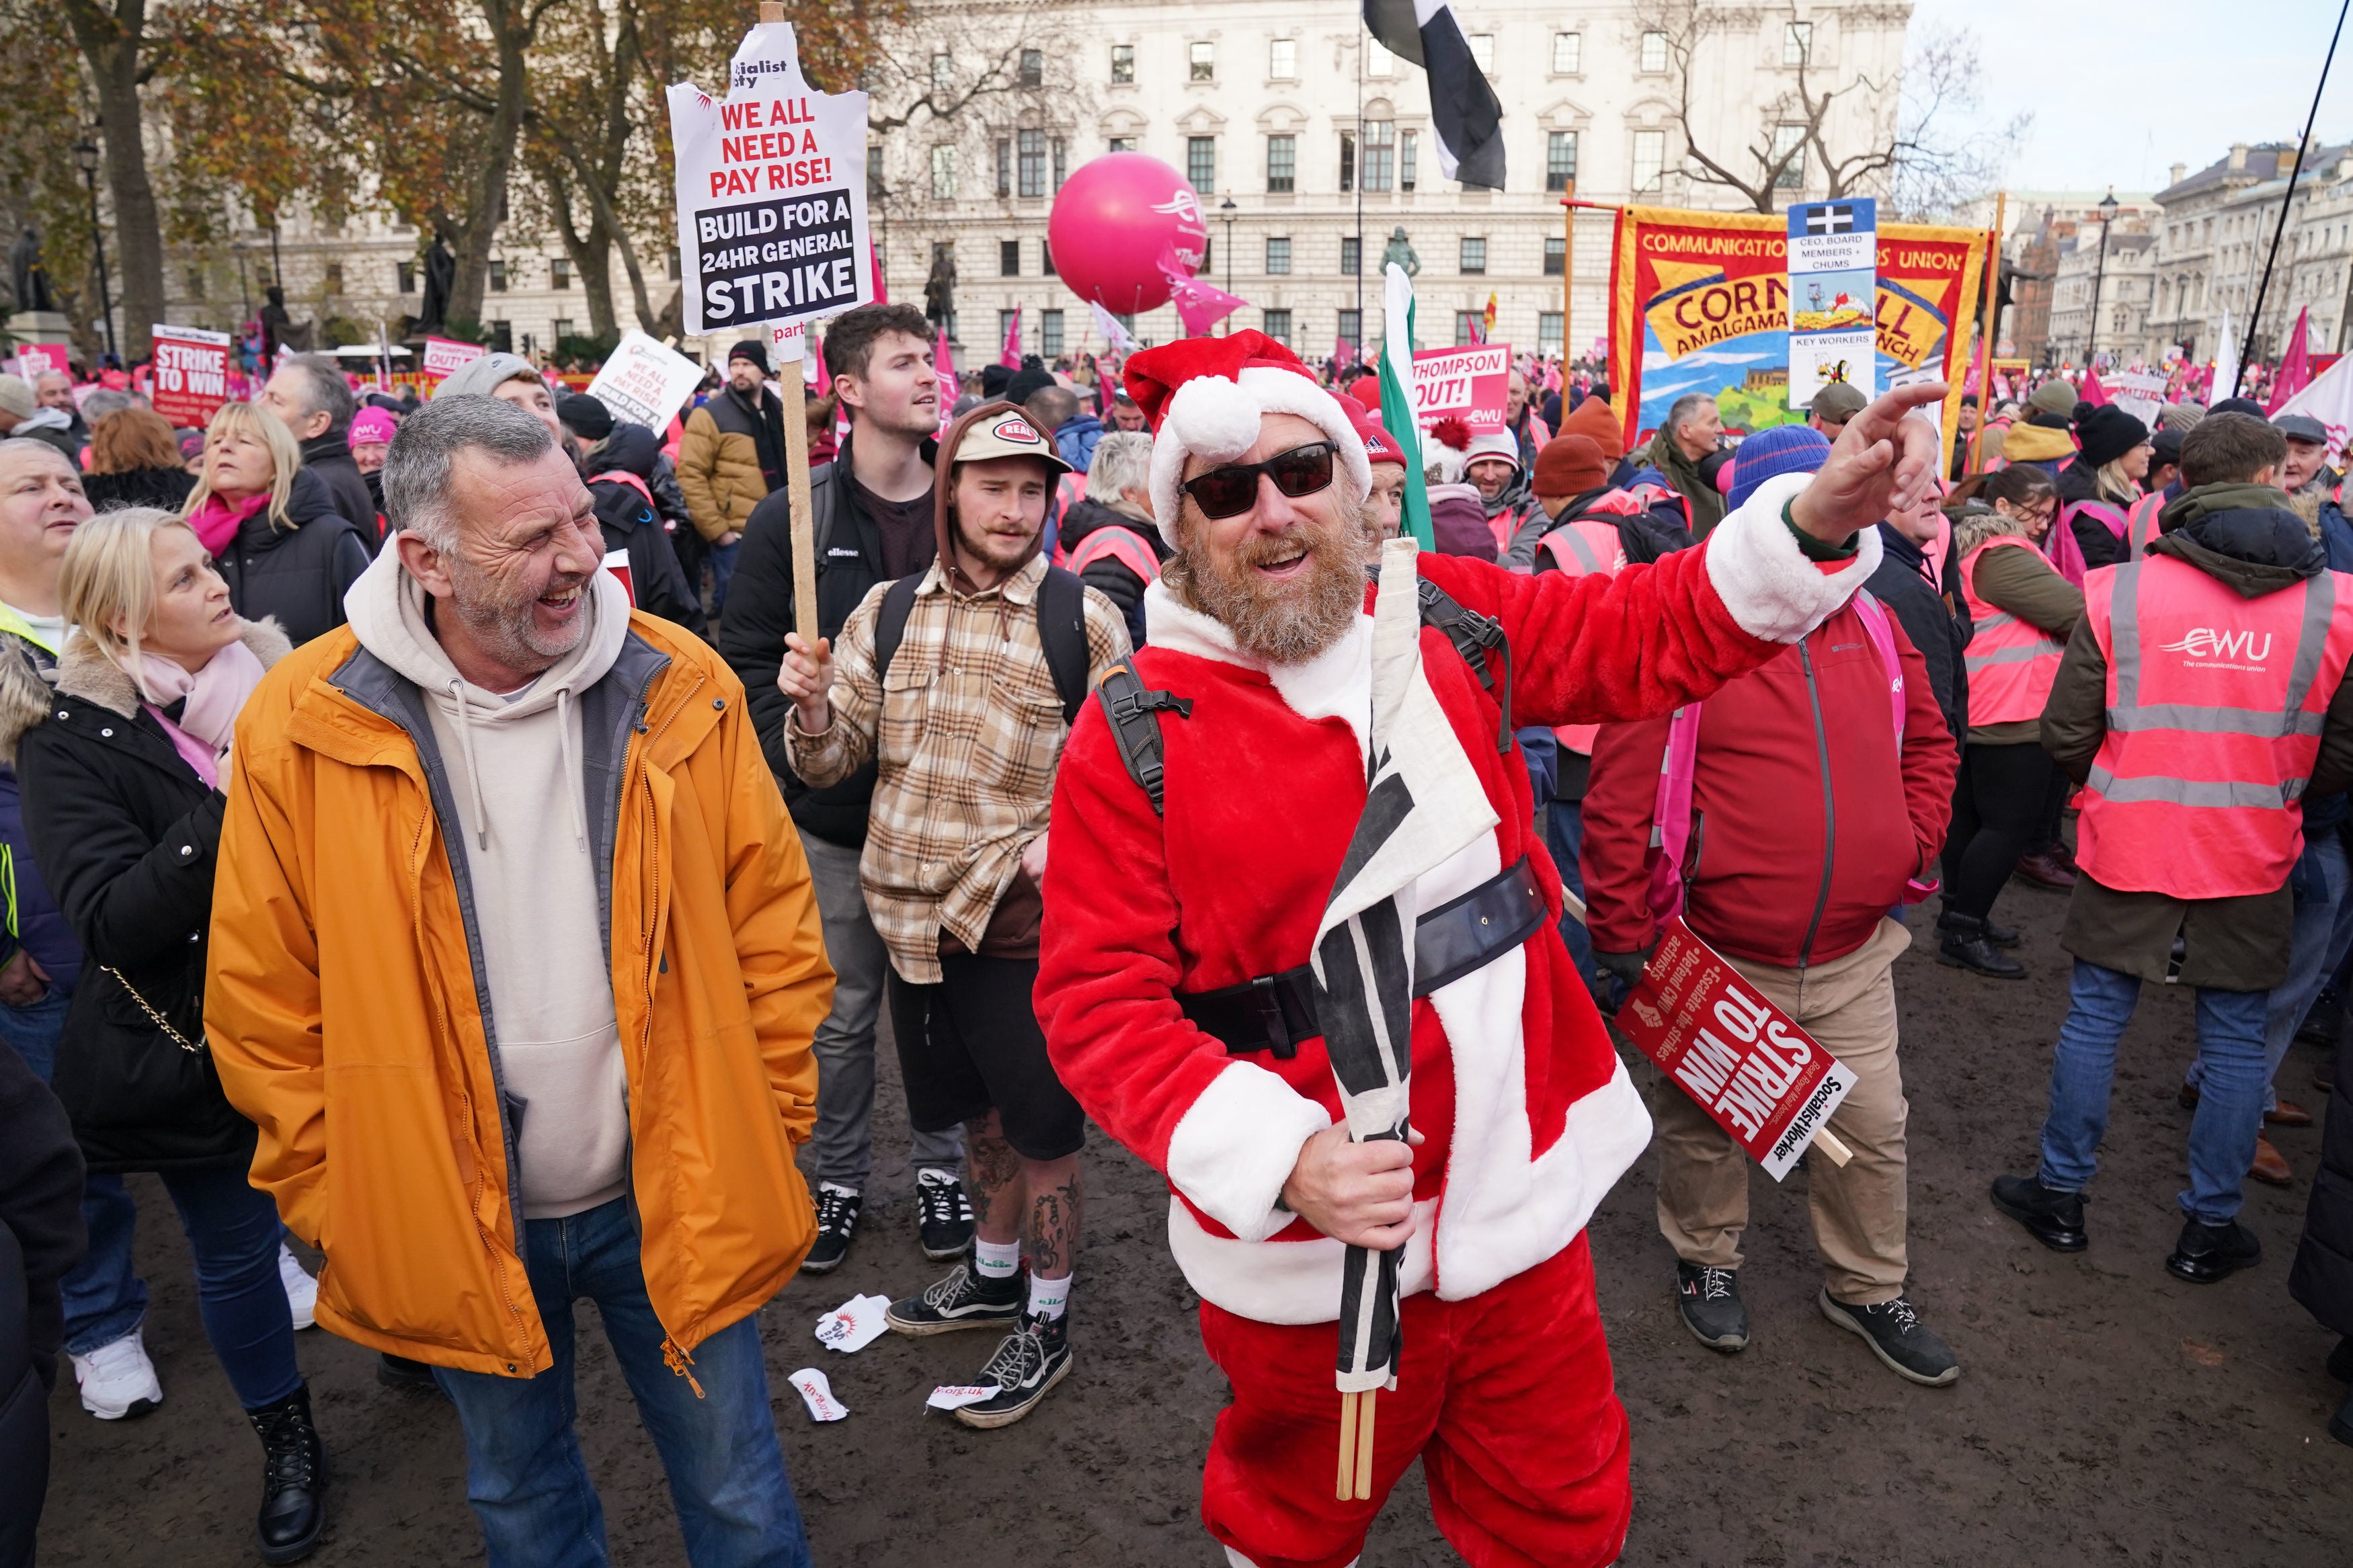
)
(301, 1290)
(118, 1380)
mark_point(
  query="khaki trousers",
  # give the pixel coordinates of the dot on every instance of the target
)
(1848, 1004)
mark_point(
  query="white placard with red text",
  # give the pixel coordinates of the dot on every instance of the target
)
(35, 360)
(190, 374)
(447, 356)
(1469, 384)
(643, 383)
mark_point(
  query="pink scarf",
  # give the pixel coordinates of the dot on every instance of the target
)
(216, 695)
(217, 520)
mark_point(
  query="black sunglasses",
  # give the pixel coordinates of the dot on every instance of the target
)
(1301, 472)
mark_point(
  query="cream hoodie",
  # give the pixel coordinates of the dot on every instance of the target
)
(515, 767)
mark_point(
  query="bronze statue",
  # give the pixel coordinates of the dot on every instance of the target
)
(1398, 253)
(279, 331)
(939, 290)
(440, 277)
(30, 276)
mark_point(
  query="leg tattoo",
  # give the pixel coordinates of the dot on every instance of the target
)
(1057, 1201)
(997, 1190)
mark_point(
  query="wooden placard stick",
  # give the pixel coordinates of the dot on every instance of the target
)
(1828, 1143)
(1364, 1407)
(796, 466)
(1346, 1488)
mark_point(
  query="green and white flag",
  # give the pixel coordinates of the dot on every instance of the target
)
(1397, 399)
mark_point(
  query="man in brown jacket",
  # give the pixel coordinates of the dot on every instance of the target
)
(730, 456)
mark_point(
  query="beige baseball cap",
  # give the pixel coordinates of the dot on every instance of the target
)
(1004, 430)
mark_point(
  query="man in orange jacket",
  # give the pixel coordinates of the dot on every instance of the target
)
(515, 965)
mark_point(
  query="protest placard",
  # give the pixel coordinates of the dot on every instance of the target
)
(1469, 384)
(1833, 296)
(190, 374)
(447, 356)
(35, 360)
(1746, 1063)
(643, 383)
(2139, 392)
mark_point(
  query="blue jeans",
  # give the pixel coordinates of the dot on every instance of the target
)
(524, 1473)
(2317, 945)
(2230, 1110)
(722, 567)
(232, 1229)
(1565, 831)
(104, 1297)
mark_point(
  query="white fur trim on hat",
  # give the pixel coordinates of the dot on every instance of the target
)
(1500, 444)
(1217, 420)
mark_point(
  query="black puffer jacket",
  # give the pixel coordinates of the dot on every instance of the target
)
(630, 523)
(330, 458)
(295, 576)
(1938, 624)
(126, 834)
(2322, 1278)
(165, 488)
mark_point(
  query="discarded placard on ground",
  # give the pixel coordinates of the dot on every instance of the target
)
(855, 1324)
(818, 1394)
(956, 1395)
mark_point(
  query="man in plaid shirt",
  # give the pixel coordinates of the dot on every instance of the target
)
(964, 716)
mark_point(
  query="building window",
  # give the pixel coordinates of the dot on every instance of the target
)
(1548, 332)
(1033, 67)
(1062, 150)
(1352, 256)
(1126, 319)
(1567, 53)
(1049, 333)
(1003, 149)
(1004, 320)
(1123, 64)
(1560, 159)
(674, 264)
(335, 277)
(560, 330)
(1201, 161)
(1378, 61)
(1380, 153)
(1352, 328)
(1409, 158)
(944, 173)
(1649, 162)
(1654, 51)
(405, 275)
(1276, 324)
(559, 274)
(1468, 324)
(1008, 258)
(498, 276)
(1283, 59)
(1278, 256)
(1045, 259)
(1556, 253)
(942, 72)
(1347, 162)
(1482, 52)
(1208, 258)
(1122, 145)
(1797, 43)
(1204, 54)
(1033, 163)
(874, 190)
(1790, 141)
(503, 337)
(1474, 253)
(1282, 163)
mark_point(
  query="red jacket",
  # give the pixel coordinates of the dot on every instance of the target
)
(1791, 867)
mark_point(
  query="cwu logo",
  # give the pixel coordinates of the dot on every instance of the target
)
(2205, 642)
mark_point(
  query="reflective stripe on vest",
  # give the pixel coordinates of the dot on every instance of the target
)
(2011, 663)
(2140, 524)
(2215, 705)
(1124, 545)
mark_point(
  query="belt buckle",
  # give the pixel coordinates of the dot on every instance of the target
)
(1268, 1001)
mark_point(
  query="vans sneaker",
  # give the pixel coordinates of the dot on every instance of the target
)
(1029, 1363)
(944, 1222)
(966, 1299)
(116, 1379)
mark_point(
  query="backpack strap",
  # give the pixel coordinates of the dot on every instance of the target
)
(890, 622)
(1133, 709)
(1062, 632)
(1481, 642)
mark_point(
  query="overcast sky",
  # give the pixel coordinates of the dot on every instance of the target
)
(2119, 93)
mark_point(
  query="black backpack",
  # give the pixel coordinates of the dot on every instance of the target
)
(1062, 631)
(1134, 708)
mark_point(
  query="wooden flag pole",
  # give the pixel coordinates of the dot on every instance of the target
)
(793, 393)
(1568, 267)
(1985, 338)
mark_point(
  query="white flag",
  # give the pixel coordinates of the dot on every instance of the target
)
(1118, 337)
(2226, 366)
(2329, 399)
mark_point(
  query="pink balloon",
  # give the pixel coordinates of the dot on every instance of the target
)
(1115, 218)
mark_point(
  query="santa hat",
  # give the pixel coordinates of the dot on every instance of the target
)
(1204, 397)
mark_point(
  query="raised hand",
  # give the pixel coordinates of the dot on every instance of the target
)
(1883, 462)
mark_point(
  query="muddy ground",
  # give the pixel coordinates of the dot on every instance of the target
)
(2106, 1411)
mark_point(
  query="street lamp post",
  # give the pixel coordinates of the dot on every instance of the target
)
(2108, 206)
(1226, 210)
(86, 157)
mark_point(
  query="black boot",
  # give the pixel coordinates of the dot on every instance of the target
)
(2207, 1253)
(2053, 1217)
(293, 1479)
(2000, 935)
(1966, 943)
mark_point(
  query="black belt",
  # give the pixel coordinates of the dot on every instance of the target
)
(1275, 1012)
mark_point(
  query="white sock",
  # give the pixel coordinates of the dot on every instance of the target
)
(1049, 1297)
(996, 1260)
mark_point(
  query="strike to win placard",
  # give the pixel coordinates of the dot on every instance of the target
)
(771, 192)
(1470, 384)
(191, 372)
(1746, 1062)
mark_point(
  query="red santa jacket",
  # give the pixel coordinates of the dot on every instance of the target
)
(1528, 1115)
(1807, 821)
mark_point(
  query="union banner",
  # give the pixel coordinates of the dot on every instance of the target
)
(1700, 302)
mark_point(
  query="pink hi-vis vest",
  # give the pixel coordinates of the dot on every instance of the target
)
(1124, 545)
(2011, 663)
(1671, 808)
(1584, 549)
(2140, 524)
(2215, 706)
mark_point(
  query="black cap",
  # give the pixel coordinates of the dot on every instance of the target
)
(1026, 381)
(752, 348)
(585, 416)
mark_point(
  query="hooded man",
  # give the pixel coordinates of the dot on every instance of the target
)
(1182, 914)
(619, 471)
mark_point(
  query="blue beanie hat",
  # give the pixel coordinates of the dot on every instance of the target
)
(1768, 454)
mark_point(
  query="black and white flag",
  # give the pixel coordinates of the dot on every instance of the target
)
(1462, 104)
(1423, 805)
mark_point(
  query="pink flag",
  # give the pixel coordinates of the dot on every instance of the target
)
(1011, 357)
(1344, 354)
(824, 375)
(874, 260)
(2092, 391)
(1199, 306)
(2294, 372)
(943, 363)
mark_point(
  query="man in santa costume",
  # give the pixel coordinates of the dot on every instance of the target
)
(1302, 753)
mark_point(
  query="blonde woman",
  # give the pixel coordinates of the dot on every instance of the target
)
(120, 776)
(270, 527)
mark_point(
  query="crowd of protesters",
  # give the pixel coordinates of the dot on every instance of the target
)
(665, 823)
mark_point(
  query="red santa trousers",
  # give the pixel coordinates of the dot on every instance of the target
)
(1506, 1398)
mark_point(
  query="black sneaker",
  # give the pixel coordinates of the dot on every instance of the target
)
(1710, 1301)
(966, 1299)
(1028, 1362)
(2207, 1253)
(944, 1221)
(2050, 1216)
(1897, 1337)
(837, 1221)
